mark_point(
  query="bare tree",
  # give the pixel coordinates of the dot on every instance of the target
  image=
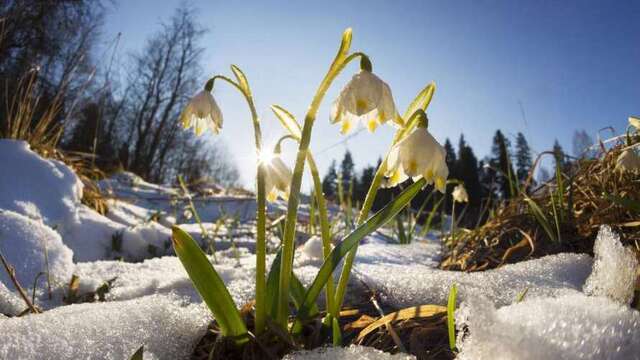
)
(162, 77)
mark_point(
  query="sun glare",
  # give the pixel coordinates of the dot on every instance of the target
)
(265, 156)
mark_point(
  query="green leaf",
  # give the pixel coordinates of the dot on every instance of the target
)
(451, 322)
(288, 121)
(537, 212)
(242, 79)
(331, 262)
(209, 285)
(422, 100)
(297, 290)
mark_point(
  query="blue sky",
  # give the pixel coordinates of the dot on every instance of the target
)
(565, 65)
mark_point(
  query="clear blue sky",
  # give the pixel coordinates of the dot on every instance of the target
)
(571, 64)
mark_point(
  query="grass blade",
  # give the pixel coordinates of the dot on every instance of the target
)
(138, 354)
(536, 211)
(209, 285)
(451, 323)
(331, 262)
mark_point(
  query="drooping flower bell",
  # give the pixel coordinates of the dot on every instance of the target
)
(202, 113)
(365, 98)
(418, 155)
(628, 161)
(277, 179)
(460, 194)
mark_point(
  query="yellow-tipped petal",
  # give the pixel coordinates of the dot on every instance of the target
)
(346, 126)
(272, 196)
(372, 125)
(440, 184)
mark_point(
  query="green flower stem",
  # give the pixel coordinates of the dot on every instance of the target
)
(261, 251)
(364, 213)
(337, 66)
(325, 228)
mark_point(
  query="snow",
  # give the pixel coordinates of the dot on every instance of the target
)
(615, 268)
(166, 326)
(166, 275)
(34, 186)
(406, 276)
(27, 244)
(10, 303)
(353, 352)
(568, 327)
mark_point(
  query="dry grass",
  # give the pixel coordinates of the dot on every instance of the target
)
(590, 194)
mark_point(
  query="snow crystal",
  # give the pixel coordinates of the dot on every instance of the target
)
(405, 283)
(34, 183)
(313, 248)
(353, 352)
(166, 275)
(615, 268)
(24, 242)
(568, 327)
(165, 326)
(10, 303)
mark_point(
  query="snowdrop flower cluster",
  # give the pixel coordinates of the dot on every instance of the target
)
(202, 113)
(460, 194)
(365, 98)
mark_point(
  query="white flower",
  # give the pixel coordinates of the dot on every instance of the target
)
(202, 112)
(277, 177)
(628, 161)
(365, 98)
(635, 122)
(418, 155)
(460, 194)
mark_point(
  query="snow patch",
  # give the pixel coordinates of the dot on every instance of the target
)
(404, 284)
(353, 352)
(24, 243)
(165, 326)
(568, 327)
(615, 268)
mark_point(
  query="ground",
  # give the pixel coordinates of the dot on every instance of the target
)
(129, 290)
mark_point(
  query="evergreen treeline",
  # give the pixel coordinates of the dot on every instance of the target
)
(488, 181)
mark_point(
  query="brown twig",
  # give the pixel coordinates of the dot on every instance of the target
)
(12, 274)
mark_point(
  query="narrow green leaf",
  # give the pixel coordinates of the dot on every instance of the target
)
(297, 290)
(209, 285)
(451, 322)
(331, 262)
(521, 295)
(537, 212)
(422, 100)
(138, 354)
(288, 121)
(242, 79)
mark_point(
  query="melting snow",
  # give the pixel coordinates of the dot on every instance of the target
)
(615, 269)
(568, 327)
(166, 327)
(353, 352)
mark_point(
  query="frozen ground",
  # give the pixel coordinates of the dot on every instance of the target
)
(574, 307)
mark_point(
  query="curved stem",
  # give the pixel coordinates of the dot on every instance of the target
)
(261, 249)
(292, 207)
(364, 212)
(325, 228)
